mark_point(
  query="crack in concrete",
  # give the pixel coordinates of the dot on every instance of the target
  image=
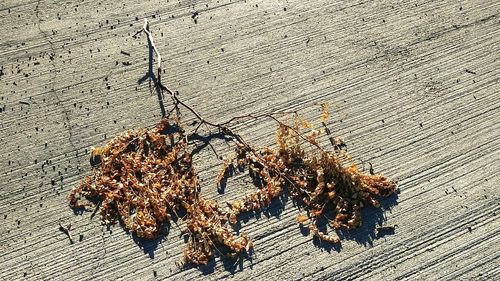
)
(52, 86)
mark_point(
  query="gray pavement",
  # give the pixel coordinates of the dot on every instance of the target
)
(413, 88)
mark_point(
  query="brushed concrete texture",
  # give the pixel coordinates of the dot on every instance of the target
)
(413, 87)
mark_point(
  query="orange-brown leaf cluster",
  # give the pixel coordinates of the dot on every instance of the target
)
(145, 178)
(320, 180)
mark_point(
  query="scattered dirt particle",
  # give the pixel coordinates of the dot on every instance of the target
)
(195, 16)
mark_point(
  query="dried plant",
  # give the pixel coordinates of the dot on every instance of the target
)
(320, 180)
(145, 179)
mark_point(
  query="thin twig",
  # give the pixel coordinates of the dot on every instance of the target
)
(66, 230)
(145, 29)
(252, 116)
(223, 127)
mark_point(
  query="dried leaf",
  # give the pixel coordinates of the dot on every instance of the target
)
(301, 218)
(324, 112)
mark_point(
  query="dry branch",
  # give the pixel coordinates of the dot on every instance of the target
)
(145, 178)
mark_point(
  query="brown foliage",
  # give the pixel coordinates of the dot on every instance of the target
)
(145, 179)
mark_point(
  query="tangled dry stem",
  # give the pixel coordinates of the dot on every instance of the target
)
(145, 179)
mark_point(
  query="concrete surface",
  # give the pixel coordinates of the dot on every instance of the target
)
(413, 86)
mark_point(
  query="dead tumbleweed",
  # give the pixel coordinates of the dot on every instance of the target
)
(145, 179)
